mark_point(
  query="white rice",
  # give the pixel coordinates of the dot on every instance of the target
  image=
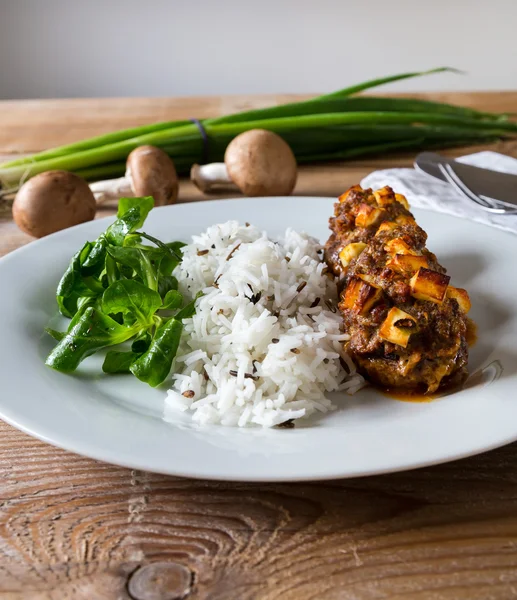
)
(256, 352)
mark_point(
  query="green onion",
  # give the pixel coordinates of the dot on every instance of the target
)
(334, 126)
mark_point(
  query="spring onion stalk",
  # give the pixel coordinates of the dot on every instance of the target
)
(334, 126)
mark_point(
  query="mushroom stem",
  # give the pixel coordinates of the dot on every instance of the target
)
(205, 177)
(6, 205)
(112, 189)
(9, 193)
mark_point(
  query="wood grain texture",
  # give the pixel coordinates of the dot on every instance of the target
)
(77, 529)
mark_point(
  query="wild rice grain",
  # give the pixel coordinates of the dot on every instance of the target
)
(231, 332)
(231, 253)
(330, 306)
(344, 365)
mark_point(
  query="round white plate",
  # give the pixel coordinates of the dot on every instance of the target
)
(118, 419)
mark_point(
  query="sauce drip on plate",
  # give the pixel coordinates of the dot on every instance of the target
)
(405, 396)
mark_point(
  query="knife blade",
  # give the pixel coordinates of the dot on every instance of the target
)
(487, 184)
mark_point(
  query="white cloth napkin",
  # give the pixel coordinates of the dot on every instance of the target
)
(423, 191)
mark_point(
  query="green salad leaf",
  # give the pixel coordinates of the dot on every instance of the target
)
(144, 205)
(141, 342)
(73, 284)
(137, 259)
(154, 364)
(118, 362)
(119, 290)
(173, 300)
(189, 310)
(57, 335)
(94, 330)
(166, 283)
(94, 262)
(131, 215)
(127, 295)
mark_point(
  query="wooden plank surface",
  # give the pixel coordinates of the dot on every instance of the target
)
(75, 528)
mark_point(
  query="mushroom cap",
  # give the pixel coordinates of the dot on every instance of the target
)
(152, 173)
(261, 163)
(52, 201)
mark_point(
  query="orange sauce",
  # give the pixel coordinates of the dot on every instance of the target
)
(405, 396)
(472, 332)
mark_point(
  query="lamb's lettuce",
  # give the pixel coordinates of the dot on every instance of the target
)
(116, 290)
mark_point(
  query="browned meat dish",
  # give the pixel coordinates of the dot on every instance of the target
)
(407, 325)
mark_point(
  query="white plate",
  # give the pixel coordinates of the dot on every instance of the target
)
(118, 419)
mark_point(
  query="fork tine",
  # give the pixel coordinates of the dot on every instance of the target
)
(460, 186)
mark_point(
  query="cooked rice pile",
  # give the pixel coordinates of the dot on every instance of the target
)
(265, 343)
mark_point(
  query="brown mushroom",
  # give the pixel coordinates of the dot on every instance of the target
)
(258, 162)
(52, 201)
(149, 172)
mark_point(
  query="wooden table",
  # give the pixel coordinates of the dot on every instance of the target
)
(75, 528)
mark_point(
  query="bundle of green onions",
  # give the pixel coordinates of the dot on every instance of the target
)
(335, 126)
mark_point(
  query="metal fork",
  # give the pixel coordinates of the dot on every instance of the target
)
(487, 204)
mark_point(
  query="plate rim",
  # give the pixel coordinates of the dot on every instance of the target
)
(176, 469)
(178, 472)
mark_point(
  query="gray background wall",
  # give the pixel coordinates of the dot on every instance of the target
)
(71, 48)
